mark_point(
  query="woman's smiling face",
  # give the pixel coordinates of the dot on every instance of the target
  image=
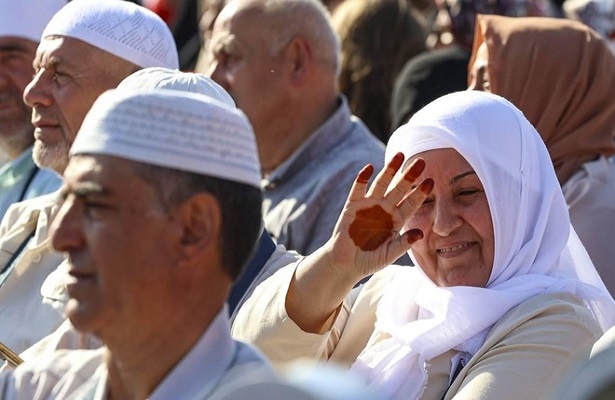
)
(458, 244)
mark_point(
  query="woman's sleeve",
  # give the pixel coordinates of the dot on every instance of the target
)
(263, 322)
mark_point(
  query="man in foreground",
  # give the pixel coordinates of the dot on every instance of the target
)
(150, 224)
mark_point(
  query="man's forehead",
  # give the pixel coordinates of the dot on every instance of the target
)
(241, 31)
(66, 50)
(239, 14)
(100, 168)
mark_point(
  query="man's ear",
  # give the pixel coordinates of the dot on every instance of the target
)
(201, 221)
(298, 52)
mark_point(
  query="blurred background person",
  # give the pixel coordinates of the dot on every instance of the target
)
(279, 60)
(377, 38)
(444, 69)
(597, 14)
(21, 26)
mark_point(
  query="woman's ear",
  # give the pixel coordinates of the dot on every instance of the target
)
(201, 223)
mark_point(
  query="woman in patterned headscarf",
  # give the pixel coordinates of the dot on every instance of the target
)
(561, 74)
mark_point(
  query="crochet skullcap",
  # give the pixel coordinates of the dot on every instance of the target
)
(172, 129)
(164, 78)
(122, 28)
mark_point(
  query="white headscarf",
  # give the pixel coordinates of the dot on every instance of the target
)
(536, 249)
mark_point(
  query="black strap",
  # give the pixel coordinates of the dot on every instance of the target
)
(460, 366)
(28, 182)
(14, 257)
(266, 246)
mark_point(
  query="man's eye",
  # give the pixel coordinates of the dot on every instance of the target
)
(93, 209)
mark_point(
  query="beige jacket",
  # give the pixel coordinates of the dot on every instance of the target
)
(214, 365)
(522, 357)
(33, 296)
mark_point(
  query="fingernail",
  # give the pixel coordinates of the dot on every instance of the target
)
(414, 234)
(365, 174)
(426, 186)
(396, 161)
(415, 170)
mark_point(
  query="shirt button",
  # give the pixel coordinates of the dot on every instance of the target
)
(36, 257)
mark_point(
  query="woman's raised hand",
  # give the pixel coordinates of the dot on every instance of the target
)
(365, 240)
(367, 235)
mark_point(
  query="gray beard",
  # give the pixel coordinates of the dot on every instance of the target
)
(54, 157)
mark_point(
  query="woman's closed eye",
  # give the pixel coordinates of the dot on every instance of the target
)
(469, 192)
(427, 201)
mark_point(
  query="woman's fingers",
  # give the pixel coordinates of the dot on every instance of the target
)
(403, 243)
(359, 187)
(403, 185)
(408, 206)
(384, 178)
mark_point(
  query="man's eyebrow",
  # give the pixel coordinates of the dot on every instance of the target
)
(13, 47)
(87, 189)
(461, 176)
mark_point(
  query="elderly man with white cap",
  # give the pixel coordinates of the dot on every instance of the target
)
(158, 185)
(87, 48)
(21, 25)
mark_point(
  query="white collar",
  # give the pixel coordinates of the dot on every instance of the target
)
(202, 368)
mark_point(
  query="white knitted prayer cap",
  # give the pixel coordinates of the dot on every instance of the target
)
(168, 128)
(172, 79)
(122, 28)
(27, 18)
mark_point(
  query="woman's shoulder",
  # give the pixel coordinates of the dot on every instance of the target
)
(530, 348)
(558, 320)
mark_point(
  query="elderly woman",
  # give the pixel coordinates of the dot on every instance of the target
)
(561, 75)
(504, 294)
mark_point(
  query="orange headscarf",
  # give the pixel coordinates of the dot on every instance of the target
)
(561, 74)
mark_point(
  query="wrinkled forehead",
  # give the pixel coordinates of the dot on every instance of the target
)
(66, 49)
